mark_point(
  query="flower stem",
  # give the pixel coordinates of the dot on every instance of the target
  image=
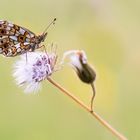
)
(93, 96)
(93, 113)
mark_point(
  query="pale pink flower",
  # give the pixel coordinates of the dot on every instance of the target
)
(31, 70)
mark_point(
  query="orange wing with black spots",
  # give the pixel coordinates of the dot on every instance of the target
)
(16, 40)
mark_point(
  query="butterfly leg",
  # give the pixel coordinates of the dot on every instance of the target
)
(44, 48)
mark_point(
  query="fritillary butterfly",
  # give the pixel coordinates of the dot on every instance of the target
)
(16, 40)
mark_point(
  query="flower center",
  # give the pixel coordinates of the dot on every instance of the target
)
(41, 69)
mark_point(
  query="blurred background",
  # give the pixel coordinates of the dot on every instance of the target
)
(109, 32)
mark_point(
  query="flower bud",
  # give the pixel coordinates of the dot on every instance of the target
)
(79, 61)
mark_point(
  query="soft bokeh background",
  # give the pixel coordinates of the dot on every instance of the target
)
(109, 32)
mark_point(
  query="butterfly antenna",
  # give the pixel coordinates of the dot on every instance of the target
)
(53, 22)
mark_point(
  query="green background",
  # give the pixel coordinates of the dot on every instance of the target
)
(109, 32)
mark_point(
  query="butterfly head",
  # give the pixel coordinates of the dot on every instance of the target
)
(41, 38)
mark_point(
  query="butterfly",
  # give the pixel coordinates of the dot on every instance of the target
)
(16, 40)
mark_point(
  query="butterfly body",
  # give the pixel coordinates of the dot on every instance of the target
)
(16, 40)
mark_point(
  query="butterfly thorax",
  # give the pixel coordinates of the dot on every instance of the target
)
(42, 37)
(36, 41)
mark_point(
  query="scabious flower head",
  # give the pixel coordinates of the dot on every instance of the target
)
(33, 68)
(78, 60)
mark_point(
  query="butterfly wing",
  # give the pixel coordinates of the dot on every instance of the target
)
(10, 29)
(12, 48)
(14, 39)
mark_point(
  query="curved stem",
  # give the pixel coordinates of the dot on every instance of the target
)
(93, 113)
(93, 96)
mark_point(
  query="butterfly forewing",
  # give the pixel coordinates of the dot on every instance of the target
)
(15, 40)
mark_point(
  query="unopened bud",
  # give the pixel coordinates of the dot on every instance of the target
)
(79, 61)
